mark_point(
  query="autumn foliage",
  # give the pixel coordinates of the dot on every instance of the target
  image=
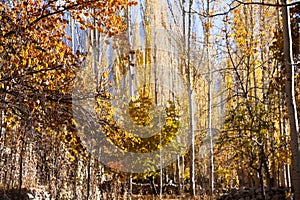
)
(37, 72)
(243, 47)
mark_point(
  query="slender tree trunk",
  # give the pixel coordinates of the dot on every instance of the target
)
(261, 181)
(291, 102)
(178, 174)
(22, 150)
(152, 183)
(182, 177)
(191, 110)
(21, 168)
(130, 184)
(88, 177)
(209, 98)
(160, 176)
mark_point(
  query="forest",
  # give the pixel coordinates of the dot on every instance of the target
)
(149, 99)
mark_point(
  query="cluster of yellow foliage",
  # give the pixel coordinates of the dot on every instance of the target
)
(37, 67)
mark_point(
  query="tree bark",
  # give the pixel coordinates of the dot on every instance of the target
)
(191, 109)
(88, 177)
(290, 100)
(209, 102)
(178, 175)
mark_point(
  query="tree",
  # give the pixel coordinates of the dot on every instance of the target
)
(290, 100)
(37, 75)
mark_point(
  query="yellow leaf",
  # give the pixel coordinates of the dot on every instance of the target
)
(105, 75)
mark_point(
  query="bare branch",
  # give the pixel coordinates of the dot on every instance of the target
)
(238, 3)
(268, 4)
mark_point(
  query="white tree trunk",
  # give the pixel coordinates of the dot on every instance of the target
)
(291, 102)
(191, 109)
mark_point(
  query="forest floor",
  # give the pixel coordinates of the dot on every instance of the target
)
(13, 194)
(170, 197)
(278, 194)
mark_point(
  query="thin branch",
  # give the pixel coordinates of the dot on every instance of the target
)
(231, 8)
(268, 4)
